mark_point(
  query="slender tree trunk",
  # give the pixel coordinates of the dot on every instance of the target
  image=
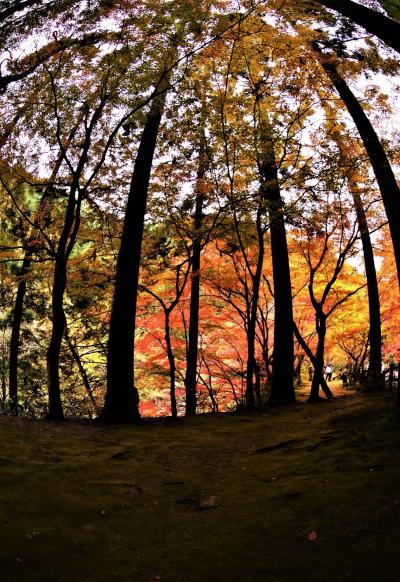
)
(297, 373)
(374, 22)
(374, 378)
(318, 375)
(381, 166)
(15, 332)
(17, 6)
(122, 398)
(71, 223)
(318, 363)
(23, 275)
(9, 128)
(193, 339)
(81, 368)
(249, 391)
(257, 384)
(252, 321)
(282, 388)
(172, 366)
(375, 334)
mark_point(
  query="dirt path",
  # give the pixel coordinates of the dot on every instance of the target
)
(308, 492)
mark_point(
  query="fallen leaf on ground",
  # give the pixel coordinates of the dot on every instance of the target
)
(312, 536)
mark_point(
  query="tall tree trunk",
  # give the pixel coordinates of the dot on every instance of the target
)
(15, 332)
(122, 398)
(252, 320)
(65, 244)
(353, 178)
(172, 366)
(17, 6)
(381, 166)
(282, 386)
(374, 22)
(42, 210)
(193, 339)
(374, 378)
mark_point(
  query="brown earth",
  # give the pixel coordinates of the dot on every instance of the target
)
(307, 493)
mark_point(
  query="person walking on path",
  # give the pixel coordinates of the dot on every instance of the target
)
(328, 372)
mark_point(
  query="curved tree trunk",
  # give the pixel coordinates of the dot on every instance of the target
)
(122, 399)
(385, 177)
(320, 376)
(64, 248)
(374, 22)
(318, 362)
(375, 334)
(15, 332)
(23, 275)
(17, 6)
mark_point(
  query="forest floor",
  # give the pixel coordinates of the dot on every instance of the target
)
(306, 492)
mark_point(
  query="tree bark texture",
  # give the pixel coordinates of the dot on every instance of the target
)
(122, 398)
(353, 178)
(318, 363)
(193, 334)
(385, 177)
(42, 211)
(282, 386)
(374, 22)
(65, 244)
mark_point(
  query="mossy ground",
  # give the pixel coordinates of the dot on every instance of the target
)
(205, 499)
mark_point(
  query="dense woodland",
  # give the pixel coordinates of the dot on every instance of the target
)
(198, 203)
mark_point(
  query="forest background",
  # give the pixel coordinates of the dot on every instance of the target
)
(243, 155)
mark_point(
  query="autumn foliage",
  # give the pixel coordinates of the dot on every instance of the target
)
(184, 191)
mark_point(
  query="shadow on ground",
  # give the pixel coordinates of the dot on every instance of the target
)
(307, 493)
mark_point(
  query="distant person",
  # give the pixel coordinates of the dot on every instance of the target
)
(328, 372)
(344, 378)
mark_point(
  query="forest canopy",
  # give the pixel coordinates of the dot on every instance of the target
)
(199, 205)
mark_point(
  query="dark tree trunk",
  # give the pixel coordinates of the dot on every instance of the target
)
(375, 334)
(17, 7)
(81, 368)
(282, 386)
(257, 384)
(375, 23)
(172, 367)
(319, 376)
(64, 248)
(318, 363)
(297, 372)
(381, 166)
(252, 320)
(192, 353)
(15, 332)
(9, 127)
(24, 273)
(122, 398)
